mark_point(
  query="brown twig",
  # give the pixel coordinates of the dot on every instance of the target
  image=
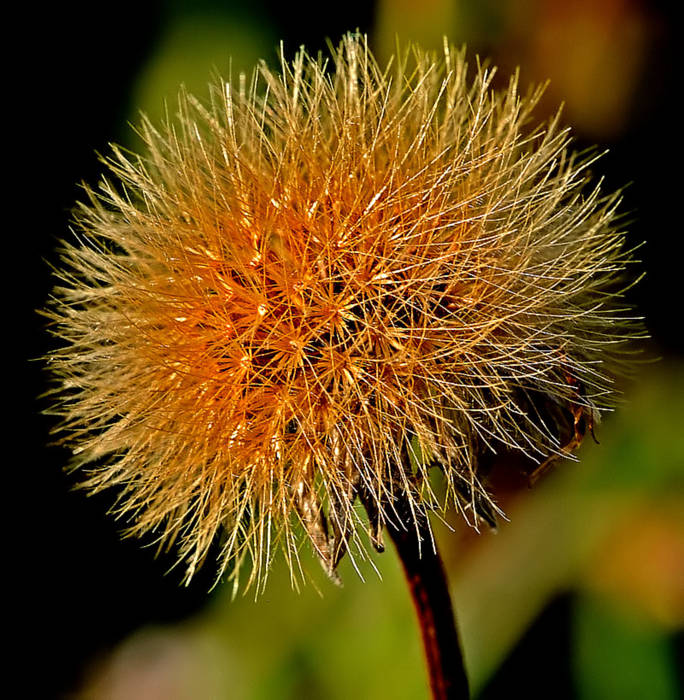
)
(430, 593)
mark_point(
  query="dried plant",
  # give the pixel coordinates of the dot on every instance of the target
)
(310, 292)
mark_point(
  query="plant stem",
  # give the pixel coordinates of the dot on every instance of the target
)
(430, 592)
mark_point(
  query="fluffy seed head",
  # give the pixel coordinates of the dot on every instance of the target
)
(328, 280)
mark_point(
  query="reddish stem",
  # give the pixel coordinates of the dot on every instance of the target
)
(430, 592)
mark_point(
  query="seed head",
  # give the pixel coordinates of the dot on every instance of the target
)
(309, 292)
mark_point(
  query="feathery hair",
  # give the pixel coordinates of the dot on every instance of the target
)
(322, 284)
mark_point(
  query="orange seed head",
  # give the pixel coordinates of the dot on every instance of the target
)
(321, 285)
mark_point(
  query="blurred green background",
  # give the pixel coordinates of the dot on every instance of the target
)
(581, 594)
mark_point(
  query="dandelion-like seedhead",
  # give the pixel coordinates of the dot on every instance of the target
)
(308, 293)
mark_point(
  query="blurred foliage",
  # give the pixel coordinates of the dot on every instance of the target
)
(422, 21)
(559, 532)
(568, 534)
(197, 40)
(619, 656)
(593, 54)
(610, 529)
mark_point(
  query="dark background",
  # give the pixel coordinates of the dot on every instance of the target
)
(82, 589)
